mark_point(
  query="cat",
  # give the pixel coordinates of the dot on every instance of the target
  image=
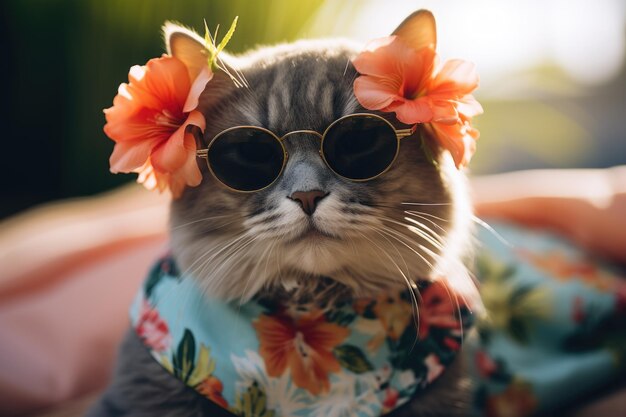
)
(312, 237)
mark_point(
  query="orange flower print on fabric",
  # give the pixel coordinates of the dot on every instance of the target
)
(212, 388)
(398, 78)
(563, 268)
(148, 123)
(302, 346)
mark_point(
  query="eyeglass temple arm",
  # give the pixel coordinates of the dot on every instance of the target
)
(403, 133)
(201, 146)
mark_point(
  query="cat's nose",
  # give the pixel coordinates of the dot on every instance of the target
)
(308, 199)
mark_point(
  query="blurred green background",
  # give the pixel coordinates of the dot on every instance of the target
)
(546, 104)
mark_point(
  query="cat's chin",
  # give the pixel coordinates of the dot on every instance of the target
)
(311, 237)
(313, 253)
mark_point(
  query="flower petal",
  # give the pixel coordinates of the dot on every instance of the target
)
(444, 111)
(172, 154)
(418, 71)
(383, 57)
(136, 90)
(129, 156)
(147, 176)
(413, 111)
(140, 126)
(468, 106)
(168, 80)
(374, 94)
(455, 79)
(459, 139)
(188, 174)
(197, 88)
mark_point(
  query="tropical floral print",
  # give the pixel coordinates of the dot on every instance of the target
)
(265, 358)
(303, 346)
(554, 316)
(440, 309)
(152, 329)
(212, 388)
(563, 267)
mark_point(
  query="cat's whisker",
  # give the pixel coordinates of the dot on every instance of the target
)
(232, 254)
(429, 221)
(202, 260)
(430, 232)
(252, 277)
(410, 286)
(345, 69)
(423, 213)
(453, 297)
(426, 204)
(237, 253)
(430, 265)
(380, 233)
(427, 234)
(491, 230)
(204, 219)
(218, 279)
(211, 254)
(206, 230)
(272, 245)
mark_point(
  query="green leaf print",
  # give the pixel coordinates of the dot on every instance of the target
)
(184, 357)
(352, 358)
(252, 403)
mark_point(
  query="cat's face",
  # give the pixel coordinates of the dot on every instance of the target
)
(367, 236)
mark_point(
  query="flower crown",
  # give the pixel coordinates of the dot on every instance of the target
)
(401, 74)
(151, 118)
(152, 114)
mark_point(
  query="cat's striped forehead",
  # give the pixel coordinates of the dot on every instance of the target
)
(300, 90)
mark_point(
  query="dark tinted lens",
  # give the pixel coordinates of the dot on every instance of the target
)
(246, 159)
(360, 147)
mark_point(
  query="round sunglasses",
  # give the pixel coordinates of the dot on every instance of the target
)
(358, 147)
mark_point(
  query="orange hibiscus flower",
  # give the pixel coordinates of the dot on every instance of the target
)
(303, 346)
(398, 78)
(148, 123)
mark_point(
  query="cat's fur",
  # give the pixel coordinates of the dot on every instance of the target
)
(239, 245)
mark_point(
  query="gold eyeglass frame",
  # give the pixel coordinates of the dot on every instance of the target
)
(400, 134)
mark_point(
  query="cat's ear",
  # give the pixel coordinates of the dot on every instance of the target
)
(189, 47)
(418, 30)
(186, 45)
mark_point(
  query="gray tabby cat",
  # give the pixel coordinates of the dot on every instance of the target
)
(309, 224)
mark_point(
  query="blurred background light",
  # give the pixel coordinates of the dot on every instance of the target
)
(583, 39)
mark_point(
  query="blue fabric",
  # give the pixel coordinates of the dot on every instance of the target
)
(556, 323)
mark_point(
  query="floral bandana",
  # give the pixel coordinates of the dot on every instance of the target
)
(362, 357)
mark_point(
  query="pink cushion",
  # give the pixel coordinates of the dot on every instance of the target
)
(64, 295)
